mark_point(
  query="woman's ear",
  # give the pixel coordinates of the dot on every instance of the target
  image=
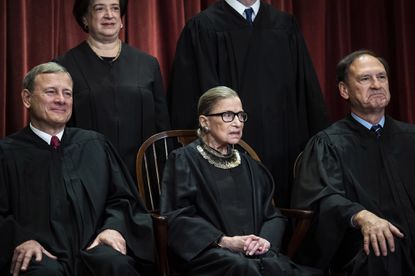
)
(203, 121)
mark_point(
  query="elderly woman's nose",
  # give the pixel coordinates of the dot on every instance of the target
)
(237, 122)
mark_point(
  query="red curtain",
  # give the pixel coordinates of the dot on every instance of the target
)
(35, 31)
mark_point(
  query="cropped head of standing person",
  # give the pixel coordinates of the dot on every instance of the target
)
(260, 52)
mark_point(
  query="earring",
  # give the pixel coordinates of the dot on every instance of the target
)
(85, 23)
(205, 129)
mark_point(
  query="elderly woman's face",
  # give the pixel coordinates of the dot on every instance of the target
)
(104, 19)
(222, 133)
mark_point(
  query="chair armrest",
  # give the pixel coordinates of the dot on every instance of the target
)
(297, 213)
(302, 221)
(160, 234)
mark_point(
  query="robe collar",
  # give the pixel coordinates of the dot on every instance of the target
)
(240, 8)
(45, 136)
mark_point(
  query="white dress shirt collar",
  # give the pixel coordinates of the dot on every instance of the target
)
(366, 124)
(240, 8)
(45, 136)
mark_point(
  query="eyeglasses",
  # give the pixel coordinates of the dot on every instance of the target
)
(229, 116)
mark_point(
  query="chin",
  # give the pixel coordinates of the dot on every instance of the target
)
(234, 141)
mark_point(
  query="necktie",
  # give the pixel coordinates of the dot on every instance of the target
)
(248, 13)
(377, 129)
(54, 142)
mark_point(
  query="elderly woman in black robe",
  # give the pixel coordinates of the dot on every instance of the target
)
(219, 201)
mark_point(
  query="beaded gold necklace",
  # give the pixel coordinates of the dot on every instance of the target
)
(93, 48)
(228, 161)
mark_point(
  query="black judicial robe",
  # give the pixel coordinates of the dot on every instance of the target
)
(270, 68)
(63, 198)
(347, 169)
(203, 203)
(124, 99)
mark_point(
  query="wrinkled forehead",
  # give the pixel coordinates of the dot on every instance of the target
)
(61, 78)
(225, 104)
(366, 63)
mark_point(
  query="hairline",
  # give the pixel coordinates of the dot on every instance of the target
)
(30, 79)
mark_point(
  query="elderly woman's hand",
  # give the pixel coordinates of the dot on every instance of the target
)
(249, 244)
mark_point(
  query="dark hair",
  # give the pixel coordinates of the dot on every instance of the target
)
(343, 66)
(44, 68)
(80, 8)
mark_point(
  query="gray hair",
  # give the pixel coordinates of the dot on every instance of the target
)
(44, 68)
(208, 100)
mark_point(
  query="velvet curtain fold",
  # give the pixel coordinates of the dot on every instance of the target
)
(35, 31)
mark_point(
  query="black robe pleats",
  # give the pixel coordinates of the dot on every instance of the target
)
(63, 198)
(270, 68)
(346, 169)
(123, 99)
(203, 202)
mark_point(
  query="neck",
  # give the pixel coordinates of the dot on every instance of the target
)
(373, 118)
(105, 49)
(51, 130)
(223, 149)
(247, 3)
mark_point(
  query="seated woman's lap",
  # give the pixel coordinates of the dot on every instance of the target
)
(224, 261)
(219, 261)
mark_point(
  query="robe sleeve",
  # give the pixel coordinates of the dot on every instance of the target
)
(161, 112)
(12, 233)
(193, 72)
(309, 97)
(321, 187)
(274, 223)
(189, 233)
(125, 212)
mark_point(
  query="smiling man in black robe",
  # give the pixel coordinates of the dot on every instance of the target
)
(358, 176)
(68, 205)
(267, 62)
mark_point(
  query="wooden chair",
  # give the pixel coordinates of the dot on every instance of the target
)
(301, 218)
(151, 158)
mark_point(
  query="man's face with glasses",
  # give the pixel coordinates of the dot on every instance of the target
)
(225, 123)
